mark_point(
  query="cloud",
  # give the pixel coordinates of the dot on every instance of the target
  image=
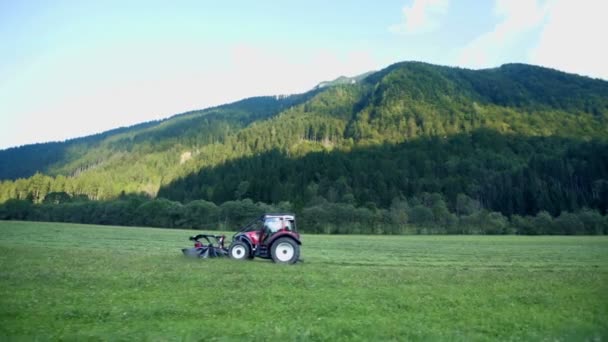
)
(562, 34)
(573, 38)
(518, 19)
(422, 16)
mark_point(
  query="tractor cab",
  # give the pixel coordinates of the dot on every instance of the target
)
(271, 236)
(277, 224)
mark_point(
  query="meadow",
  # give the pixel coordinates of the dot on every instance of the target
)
(83, 282)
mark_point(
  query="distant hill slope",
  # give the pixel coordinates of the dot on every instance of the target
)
(401, 103)
(75, 155)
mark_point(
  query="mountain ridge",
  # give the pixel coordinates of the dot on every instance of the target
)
(344, 80)
(341, 80)
(401, 103)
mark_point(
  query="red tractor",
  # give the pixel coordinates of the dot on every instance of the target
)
(271, 236)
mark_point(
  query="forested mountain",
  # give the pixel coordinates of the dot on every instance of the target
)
(76, 155)
(517, 139)
(511, 174)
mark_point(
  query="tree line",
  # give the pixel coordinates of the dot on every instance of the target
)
(426, 214)
(511, 175)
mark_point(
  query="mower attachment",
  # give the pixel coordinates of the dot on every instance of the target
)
(209, 250)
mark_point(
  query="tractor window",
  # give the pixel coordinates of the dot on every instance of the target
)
(290, 225)
(273, 224)
(254, 226)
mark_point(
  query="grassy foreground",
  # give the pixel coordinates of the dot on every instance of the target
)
(75, 282)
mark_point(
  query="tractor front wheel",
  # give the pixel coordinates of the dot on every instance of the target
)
(285, 251)
(239, 251)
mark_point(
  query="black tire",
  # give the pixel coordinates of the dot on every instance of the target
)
(285, 251)
(239, 251)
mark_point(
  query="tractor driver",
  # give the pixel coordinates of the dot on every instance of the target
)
(271, 226)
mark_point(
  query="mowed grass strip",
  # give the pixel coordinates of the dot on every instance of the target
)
(74, 282)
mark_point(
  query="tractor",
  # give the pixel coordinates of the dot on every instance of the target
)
(271, 236)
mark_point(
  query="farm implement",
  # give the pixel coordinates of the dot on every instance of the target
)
(208, 250)
(271, 236)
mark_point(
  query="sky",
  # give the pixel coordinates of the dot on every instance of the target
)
(71, 68)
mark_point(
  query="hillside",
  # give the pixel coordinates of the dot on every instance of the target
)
(494, 135)
(76, 155)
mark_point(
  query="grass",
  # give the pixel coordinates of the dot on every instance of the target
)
(78, 282)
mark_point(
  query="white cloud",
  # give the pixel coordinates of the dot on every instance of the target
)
(519, 18)
(574, 38)
(421, 16)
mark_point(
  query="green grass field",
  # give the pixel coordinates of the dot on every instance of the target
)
(78, 282)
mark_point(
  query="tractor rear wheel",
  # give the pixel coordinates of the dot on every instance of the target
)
(285, 251)
(239, 251)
